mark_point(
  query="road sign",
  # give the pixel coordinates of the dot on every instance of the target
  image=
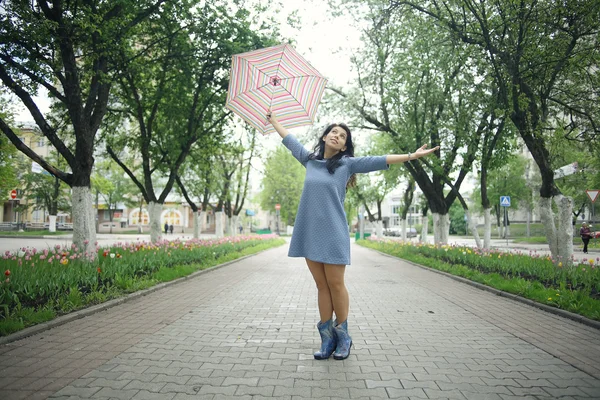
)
(278, 206)
(593, 194)
(505, 201)
(568, 169)
(13, 194)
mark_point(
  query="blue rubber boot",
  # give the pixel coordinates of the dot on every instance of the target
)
(344, 341)
(328, 341)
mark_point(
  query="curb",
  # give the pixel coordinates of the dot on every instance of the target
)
(552, 310)
(86, 312)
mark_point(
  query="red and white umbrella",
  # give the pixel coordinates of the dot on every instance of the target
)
(275, 78)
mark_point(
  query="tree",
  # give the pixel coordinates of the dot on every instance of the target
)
(67, 49)
(507, 180)
(542, 57)
(173, 94)
(420, 86)
(8, 174)
(282, 184)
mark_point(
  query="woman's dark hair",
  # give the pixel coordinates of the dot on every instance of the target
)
(335, 161)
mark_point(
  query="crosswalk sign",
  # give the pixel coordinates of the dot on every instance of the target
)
(505, 201)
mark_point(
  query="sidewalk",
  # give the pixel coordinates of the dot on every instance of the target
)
(247, 331)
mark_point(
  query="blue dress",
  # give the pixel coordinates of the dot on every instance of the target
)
(321, 231)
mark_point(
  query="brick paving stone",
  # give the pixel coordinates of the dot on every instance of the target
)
(417, 334)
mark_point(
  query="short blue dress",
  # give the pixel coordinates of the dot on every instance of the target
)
(321, 231)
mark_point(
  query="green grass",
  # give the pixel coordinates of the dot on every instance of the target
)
(34, 233)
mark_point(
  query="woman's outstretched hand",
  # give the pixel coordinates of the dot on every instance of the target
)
(423, 151)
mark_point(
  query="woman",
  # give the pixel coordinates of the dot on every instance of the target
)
(320, 231)
(586, 234)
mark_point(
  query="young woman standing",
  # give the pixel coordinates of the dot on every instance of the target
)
(321, 232)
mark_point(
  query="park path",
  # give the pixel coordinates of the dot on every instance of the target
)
(247, 331)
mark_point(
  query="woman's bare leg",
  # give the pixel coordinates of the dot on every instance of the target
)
(324, 296)
(339, 294)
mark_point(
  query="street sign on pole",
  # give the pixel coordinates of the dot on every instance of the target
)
(13, 194)
(593, 194)
(568, 169)
(505, 201)
(278, 206)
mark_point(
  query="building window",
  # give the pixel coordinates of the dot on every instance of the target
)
(172, 217)
(135, 217)
(41, 142)
(396, 209)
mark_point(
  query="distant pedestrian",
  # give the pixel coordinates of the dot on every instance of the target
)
(166, 228)
(171, 229)
(241, 228)
(321, 232)
(586, 234)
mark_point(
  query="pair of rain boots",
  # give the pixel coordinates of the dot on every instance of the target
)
(334, 340)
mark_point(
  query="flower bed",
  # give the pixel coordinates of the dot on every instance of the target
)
(61, 279)
(575, 288)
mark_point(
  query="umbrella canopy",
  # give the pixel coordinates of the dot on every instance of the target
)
(277, 78)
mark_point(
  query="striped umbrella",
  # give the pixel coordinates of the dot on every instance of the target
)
(277, 78)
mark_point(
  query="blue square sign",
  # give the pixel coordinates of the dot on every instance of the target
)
(505, 201)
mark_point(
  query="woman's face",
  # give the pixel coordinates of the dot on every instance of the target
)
(335, 140)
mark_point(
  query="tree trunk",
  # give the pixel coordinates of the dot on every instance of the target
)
(140, 229)
(52, 224)
(487, 235)
(441, 228)
(219, 224)
(202, 222)
(84, 223)
(473, 227)
(547, 217)
(565, 229)
(379, 228)
(154, 211)
(403, 223)
(424, 229)
(197, 225)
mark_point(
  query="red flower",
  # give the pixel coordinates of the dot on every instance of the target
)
(105, 253)
(7, 272)
(99, 270)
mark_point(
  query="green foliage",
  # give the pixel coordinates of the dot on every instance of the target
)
(507, 180)
(282, 184)
(457, 219)
(172, 95)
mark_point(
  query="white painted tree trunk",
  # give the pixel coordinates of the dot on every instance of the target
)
(229, 231)
(473, 228)
(403, 231)
(196, 226)
(424, 229)
(565, 228)
(234, 225)
(202, 222)
(487, 233)
(84, 223)
(219, 224)
(379, 228)
(547, 218)
(154, 213)
(441, 228)
(52, 226)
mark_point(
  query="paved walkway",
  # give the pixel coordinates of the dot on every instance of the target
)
(248, 331)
